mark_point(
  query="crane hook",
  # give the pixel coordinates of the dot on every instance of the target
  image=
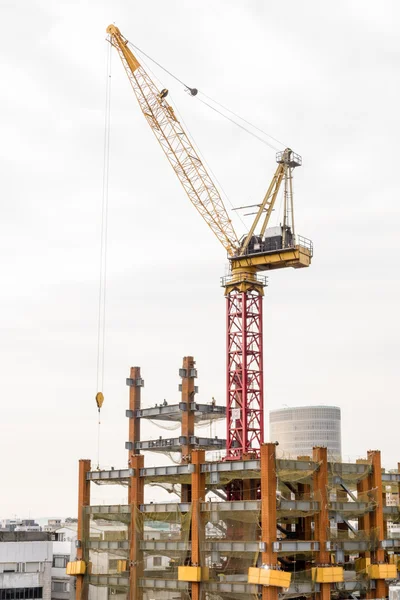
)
(99, 400)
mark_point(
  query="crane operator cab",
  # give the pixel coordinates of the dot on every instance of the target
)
(275, 238)
(276, 249)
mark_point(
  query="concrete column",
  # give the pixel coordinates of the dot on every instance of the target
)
(364, 521)
(83, 525)
(187, 428)
(320, 486)
(268, 512)
(135, 499)
(376, 518)
(135, 385)
(198, 496)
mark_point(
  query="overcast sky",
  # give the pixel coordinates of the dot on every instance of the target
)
(325, 80)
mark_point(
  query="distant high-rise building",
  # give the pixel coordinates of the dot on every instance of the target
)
(300, 428)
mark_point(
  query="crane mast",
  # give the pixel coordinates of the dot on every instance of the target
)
(244, 286)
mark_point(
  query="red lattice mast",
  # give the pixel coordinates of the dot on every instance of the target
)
(245, 385)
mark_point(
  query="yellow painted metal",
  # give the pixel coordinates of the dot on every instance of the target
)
(394, 560)
(122, 566)
(361, 564)
(77, 567)
(243, 279)
(327, 574)
(118, 38)
(297, 257)
(176, 145)
(270, 577)
(198, 184)
(266, 205)
(99, 400)
(193, 574)
(382, 571)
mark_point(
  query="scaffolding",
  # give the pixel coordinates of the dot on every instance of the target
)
(261, 528)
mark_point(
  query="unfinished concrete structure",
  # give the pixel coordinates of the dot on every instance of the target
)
(292, 528)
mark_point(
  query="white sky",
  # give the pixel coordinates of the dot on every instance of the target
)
(322, 79)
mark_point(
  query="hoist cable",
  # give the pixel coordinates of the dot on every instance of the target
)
(244, 120)
(239, 125)
(101, 324)
(195, 145)
(207, 165)
(188, 88)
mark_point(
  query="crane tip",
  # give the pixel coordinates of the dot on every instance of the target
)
(112, 30)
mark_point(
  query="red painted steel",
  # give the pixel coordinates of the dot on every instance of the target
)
(245, 388)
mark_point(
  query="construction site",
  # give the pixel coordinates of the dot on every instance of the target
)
(252, 523)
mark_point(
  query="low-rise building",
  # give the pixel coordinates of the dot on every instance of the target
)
(25, 566)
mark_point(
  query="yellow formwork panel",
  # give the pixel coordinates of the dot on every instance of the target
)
(327, 574)
(121, 566)
(382, 571)
(271, 577)
(361, 564)
(193, 574)
(77, 567)
(394, 560)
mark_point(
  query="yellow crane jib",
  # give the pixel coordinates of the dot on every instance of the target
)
(269, 248)
(176, 145)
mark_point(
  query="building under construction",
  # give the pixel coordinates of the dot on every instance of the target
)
(263, 527)
(252, 523)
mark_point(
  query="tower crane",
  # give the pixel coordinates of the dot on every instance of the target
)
(262, 249)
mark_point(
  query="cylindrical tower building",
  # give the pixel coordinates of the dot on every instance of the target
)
(300, 428)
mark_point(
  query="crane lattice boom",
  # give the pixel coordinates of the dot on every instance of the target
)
(178, 148)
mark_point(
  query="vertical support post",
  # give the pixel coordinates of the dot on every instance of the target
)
(320, 486)
(136, 486)
(376, 518)
(362, 488)
(135, 383)
(135, 499)
(198, 481)
(268, 512)
(303, 527)
(188, 374)
(83, 525)
(245, 384)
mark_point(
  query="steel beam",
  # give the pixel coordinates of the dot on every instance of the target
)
(295, 546)
(174, 412)
(391, 477)
(175, 507)
(229, 466)
(113, 476)
(108, 545)
(116, 581)
(178, 444)
(229, 507)
(166, 545)
(109, 509)
(163, 584)
(169, 471)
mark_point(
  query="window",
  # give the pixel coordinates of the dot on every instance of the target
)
(59, 586)
(21, 593)
(60, 561)
(156, 561)
(113, 564)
